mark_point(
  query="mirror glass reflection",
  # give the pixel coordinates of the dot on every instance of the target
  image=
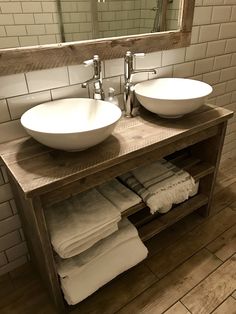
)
(29, 23)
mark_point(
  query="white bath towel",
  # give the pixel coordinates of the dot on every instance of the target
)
(120, 196)
(160, 184)
(79, 222)
(87, 272)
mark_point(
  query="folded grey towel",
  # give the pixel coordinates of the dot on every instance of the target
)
(119, 195)
(160, 185)
(79, 222)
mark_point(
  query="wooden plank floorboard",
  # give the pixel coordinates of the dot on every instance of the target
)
(225, 245)
(227, 307)
(212, 291)
(234, 294)
(166, 292)
(169, 258)
(224, 197)
(172, 234)
(178, 308)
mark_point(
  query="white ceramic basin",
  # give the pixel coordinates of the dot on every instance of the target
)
(172, 97)
(71, 124)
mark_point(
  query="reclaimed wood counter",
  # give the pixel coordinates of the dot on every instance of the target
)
(41, 176)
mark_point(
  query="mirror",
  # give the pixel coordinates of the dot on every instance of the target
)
(34, 35)
(111, 18)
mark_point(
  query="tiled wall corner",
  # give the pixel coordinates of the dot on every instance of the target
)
(210, 58)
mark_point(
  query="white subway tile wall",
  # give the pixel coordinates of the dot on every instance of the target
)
(28, 23)
(210, 58)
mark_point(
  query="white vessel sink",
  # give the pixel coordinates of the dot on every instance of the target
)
(71, 124)
(172, 97)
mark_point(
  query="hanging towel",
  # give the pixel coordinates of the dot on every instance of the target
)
(160, 184)
(80, 221)
(119, 195)
(85, 273)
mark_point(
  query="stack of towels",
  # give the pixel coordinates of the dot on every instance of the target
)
(85, 273)
(91, 241)
(160, 185)
(82, 220)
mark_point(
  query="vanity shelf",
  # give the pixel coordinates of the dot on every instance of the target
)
(41, 176)
(197, 168)
(148, 226)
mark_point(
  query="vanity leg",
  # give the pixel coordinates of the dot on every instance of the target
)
(34, 224)
(210, 151)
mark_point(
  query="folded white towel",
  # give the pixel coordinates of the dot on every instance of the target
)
(160, 185)
(119, 195)
(84, 274)
(79, 222)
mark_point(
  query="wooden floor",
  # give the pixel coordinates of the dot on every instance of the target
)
(191, 268)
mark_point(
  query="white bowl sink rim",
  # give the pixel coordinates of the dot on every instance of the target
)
(72, 124)
(172, 89)
(172, 97)
(50, 117)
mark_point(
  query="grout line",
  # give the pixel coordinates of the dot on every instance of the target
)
(151, 271)
(233, 295)
(219, 305)
(185, 306)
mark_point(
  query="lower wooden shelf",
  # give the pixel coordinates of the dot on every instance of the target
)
(161, 222)
(197, 168)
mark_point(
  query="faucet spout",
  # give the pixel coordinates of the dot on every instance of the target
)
(154, 71)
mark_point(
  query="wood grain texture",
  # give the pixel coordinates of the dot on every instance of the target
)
(161, 222)
(210, 151)
(173, 233)
(38, 169)
(224, 197)
(56, 55)
(178, 308)
(167, 260)
(212, 291)
(22, 292)
(166, 292)
(45, 175)
(225, 245)
(227, 307)
(37, 236)
(27, 296)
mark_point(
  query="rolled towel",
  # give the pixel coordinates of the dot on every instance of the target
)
(81, 221)
(119, 195)
(160, 185)
(84, 274)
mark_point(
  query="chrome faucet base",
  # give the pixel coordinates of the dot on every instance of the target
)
(96, 80)
(128, 85)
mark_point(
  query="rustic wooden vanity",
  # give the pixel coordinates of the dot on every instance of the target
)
(41, 176)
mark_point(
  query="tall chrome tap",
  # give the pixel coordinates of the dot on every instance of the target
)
(96, 80)
(128, 85)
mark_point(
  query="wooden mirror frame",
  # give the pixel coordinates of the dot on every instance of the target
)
(19, 60)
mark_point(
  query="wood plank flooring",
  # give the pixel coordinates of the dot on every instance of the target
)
(191, 269)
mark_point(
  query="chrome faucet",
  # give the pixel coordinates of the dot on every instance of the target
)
(98, 92)
(128, 85)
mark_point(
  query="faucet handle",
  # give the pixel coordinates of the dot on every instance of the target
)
(139, 55)
(95, 59)
(88, 62)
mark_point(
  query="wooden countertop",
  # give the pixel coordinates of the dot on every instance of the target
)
(39, 169)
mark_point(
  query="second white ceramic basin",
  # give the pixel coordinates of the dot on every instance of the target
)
(71, 124)
(172, 97)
